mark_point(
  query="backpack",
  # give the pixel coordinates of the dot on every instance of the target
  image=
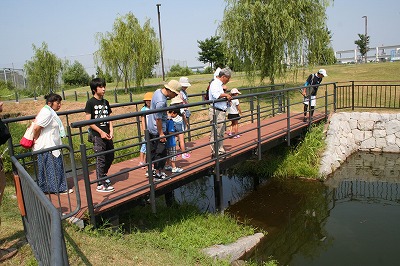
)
(207, 96)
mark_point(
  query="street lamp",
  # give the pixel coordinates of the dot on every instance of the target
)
(159, 30)
(366, 24)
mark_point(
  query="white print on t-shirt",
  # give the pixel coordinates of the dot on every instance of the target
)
(97, 114)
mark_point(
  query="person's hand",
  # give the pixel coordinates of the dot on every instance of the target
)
(162, 138)
(104, 135)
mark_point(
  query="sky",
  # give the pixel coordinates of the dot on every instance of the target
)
(69, 27)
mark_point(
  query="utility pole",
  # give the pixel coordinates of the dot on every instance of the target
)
(366, 36)
(159, 30)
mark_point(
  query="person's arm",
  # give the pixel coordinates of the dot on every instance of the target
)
(111, 135)
(103, 134)
(239, 109)
(36, 131)
(159, 129)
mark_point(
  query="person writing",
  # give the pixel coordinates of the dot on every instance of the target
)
(311, 98)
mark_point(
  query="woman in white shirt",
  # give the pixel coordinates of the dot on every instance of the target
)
(47, 132)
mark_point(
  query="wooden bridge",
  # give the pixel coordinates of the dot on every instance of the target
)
(133, 185)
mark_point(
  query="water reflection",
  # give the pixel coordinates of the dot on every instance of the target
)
(201, 192)
(351, 219)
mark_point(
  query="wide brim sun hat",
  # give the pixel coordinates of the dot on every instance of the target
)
(184, 81)
(176, 100)
(173, 86)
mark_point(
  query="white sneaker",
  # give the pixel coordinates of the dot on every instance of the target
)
(105, 189)
(168, 167)
(177, 170)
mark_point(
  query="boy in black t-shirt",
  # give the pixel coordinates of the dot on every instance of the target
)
(98, 107)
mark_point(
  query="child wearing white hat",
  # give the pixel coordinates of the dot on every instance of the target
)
(234, 113)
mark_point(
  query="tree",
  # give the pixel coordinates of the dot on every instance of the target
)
(129, 51)
(212, 52)
(105, 75)
(177, 70)
(43, 70)
(363, 45)
(75, 74)
(320, 51)
(263, 35)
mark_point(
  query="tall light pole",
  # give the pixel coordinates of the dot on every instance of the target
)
(366, 24)
(366, 35)
(159, 30)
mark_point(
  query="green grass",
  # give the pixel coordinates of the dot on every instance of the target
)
(299, 160)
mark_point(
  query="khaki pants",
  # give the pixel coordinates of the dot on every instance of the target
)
(221, 117)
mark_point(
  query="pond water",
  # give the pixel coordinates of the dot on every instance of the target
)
(350, 219)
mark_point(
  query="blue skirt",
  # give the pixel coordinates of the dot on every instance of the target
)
(51, 176)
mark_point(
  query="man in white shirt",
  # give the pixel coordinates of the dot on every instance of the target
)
(216, 92)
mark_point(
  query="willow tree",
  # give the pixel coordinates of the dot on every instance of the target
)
(43, 70)
(264, 34)
(129, 50)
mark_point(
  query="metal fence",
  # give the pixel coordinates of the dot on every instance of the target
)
(355, 95)
(42, 221)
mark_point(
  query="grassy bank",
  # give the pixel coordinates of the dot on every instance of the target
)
(298, 161)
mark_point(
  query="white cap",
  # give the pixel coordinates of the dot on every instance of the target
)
(235, 91)
(216, 73)
(322, 72)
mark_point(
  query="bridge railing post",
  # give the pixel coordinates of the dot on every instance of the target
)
(85, 173)
(259, 132)
(150, 171)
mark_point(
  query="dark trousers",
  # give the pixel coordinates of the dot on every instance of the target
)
(103, 161)
(158, 151)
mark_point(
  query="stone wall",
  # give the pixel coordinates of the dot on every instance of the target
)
(350, 132)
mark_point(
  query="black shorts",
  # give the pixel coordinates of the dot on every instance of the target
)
(233, 116)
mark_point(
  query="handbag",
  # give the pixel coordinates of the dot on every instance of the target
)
(4, 133)
(27, 140)
(90, 135)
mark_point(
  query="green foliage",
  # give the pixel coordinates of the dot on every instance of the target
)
(212, 52)
(303, 160)
(208, 70)
(43, 70)
(263, 34)
(363, 45)
(104, 74)
(177, 70)
(129, 51)
(320, 51)
(299, 161)
(75, 74)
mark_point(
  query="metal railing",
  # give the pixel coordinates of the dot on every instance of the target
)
(368, 94)
(255, 106)
(42, 221)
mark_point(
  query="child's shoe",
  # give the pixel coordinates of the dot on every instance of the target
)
(185, 155)
(177, 170)
(168, 167)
